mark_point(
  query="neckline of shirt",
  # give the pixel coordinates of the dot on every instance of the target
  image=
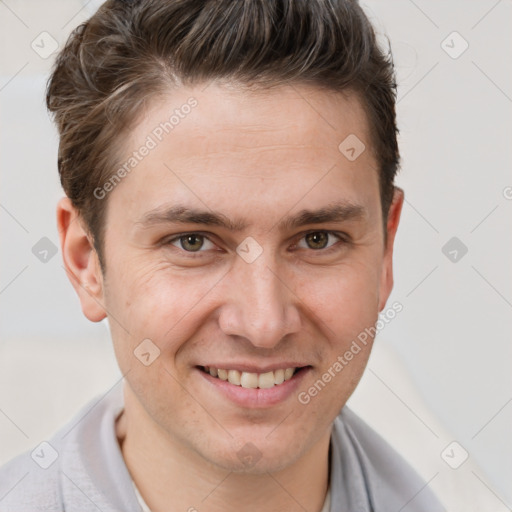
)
(325, 508)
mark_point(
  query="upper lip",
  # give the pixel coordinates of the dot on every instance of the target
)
(251, 368)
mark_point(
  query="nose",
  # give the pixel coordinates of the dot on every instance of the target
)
(260, 305)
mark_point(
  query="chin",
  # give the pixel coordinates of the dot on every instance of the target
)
(259, 466)
(256, 455)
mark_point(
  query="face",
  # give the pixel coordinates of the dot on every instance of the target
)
(245, 244)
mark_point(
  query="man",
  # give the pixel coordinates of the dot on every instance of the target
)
(230, 208)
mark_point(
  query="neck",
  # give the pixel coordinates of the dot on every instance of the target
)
(165, 471)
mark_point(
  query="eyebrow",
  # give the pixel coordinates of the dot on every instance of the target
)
(338, 212)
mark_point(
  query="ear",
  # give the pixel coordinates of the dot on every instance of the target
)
(386, 280)
(80, 260)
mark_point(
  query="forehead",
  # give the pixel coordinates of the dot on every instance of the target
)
(228, 117)
(214, 144)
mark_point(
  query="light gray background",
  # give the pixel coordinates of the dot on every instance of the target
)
(453, 336)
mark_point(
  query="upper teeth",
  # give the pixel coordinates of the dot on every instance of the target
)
(252, 380)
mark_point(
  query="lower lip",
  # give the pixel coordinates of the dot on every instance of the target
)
(256, 398)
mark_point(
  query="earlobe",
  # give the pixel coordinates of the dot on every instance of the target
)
(393, 221)
(80, 260)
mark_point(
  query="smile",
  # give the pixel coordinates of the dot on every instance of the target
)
(251, 380)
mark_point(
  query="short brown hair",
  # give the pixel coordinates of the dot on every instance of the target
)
(130, 51)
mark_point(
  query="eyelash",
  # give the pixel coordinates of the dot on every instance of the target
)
(342, 237)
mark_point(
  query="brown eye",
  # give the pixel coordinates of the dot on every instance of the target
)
(191, 242)
(322, 241)
(317, 240)
(192, 245)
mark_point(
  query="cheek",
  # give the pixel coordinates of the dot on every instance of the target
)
(345, 299)
(152, 300)
(344, 305)
(157, 302)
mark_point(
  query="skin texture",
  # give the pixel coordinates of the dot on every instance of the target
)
(257, 158)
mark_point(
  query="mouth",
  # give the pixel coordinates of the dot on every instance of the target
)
(252, 380)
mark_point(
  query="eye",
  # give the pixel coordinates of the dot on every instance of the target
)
(314, 240)
(317, 240)
(191, 242)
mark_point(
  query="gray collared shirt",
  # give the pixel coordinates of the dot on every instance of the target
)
(81, 469)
